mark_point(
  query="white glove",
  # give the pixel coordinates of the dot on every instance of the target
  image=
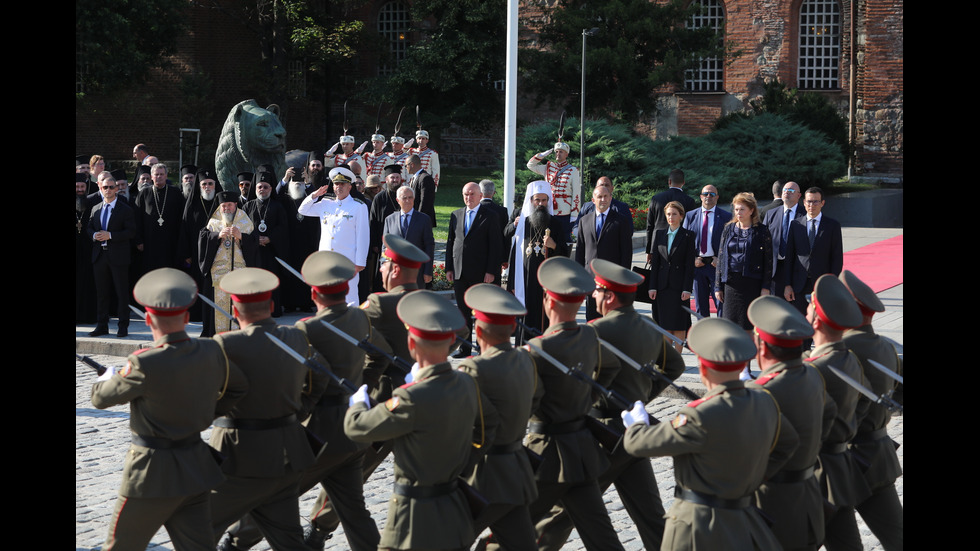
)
(360, 396)
(410, 143)
(745, 375)
(410, 378)
(544, 154)
(109, 372)
(330, 152)
(360, 148)
(636, 415)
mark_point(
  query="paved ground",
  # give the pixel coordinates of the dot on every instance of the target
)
(102, 436)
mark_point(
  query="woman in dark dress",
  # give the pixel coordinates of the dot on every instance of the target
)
(672, 272)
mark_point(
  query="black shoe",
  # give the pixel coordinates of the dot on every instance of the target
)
(99, 331)
(460, 354)
(315, 538)
(123, 332)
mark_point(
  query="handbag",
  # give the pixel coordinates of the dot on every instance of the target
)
(643, 289)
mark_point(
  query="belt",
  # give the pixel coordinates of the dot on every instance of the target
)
(833, 449)
(501, 449)
(699, 498)
(255, 424)
(422, 492)
(159, 443)
(574, 425)
(868, 437)
(787, 477)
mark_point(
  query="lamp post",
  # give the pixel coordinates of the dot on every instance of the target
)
(581, 135)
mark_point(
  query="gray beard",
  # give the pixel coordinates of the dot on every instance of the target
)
(208, 195)
(297, 190)
(227, 218)
(187, 189)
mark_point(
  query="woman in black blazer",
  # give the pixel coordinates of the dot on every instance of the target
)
(744, 260)
(672, 272)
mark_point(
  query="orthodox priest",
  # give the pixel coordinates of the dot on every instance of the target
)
(198, 208)
(228, 242)
(270, 219)
(534, 231)
(304, 233)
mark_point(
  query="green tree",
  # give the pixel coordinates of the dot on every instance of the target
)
(640, 46)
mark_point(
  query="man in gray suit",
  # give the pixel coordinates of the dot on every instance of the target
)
(414, 226)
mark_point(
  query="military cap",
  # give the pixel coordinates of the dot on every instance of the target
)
(720, 344)
(421, 134)
(341, 174)
(834, 304)
(614, 277)
(346, 139)
(565, 280)
(402, 252)
(119, 174)
(377, 137)
(392, 169)
(142, 169)
(229, 196)
(778, 323)
(563, 146)
(867, 300)
(81, 159)
(165, 292)
(79, 177)
(397, 139)
(493, 304)
(188, 169)
(266, 177)
(243, 176)
(249, 284)
(205, 173)
(328, 272)
(429, 316)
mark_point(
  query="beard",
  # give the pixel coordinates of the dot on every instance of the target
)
(227, 217)
(297, 190)
(81, 203)
(187, 189)
(540, 219)
(208, 195)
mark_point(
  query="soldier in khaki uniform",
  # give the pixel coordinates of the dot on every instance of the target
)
(832, 311)
(724, 445)
(430, 421)
(882, 512)
(506, 377)
(265, 444)
(174, 389)
(620, 325)
(792, 496)
(571, 459)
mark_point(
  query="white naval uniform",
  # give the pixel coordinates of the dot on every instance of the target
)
(430, 162)
(344, 229)
(566, 185)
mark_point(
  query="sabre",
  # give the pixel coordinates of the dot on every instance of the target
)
(377, 121)
(665, 333)
(99, 368)
(217, 308)
(345, 117)
(611, 395)
(692, 312)
(291, 269)
(884, 400)
(139, 312)
(653, 373)
(418, 119)
(398, 122)
(881, 367)
(561, 127)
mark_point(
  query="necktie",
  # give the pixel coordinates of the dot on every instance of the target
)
(405, 225)
(598, 228)
(105, 217)
(469, 222)
(782, 238)
(813, 231)
(704, 232)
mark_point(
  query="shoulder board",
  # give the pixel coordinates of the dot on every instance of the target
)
(307, 318)
(356, 200)
(700, 401)
(406, 385)
(762, 380)
(140, 351)
(812, 358)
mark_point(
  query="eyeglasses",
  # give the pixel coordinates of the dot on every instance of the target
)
(708, 194)
(812, 202)
(108, 187)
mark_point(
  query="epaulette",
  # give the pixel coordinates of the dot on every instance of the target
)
(810, 359)
(763, 379)
(699, 401)
(356, 200)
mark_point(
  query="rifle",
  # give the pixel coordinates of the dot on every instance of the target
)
(99, 368)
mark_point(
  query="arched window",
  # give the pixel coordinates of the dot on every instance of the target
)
(710, 76)
(393, 24)
(820, 32)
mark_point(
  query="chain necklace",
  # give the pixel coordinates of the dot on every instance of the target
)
(156, 202)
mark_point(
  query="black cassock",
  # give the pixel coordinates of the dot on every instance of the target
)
(533, 293)
(270, 220)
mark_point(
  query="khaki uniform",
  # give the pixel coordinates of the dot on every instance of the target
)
(431, 449)
(792, 497)
(721, 447)
(173, 389)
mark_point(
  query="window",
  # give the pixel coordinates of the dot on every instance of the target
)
(710, 76)
(393, 24)
(820, 26)
(297, 78)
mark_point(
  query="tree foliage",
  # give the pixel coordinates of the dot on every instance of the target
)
(118, 42)
(640, 46)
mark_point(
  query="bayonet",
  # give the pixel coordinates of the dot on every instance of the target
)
(884, 399)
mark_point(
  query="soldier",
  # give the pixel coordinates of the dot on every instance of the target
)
(349, 157)
(398, 155)
(565, 181)
(376, 159)
(832, 310)
(718, 463)
(429, 157)
(266, 446)
(621, 326)
(431, 423)
(506, 377)
(882, 512)
(571, 459)
(174, 389)
(792, 496)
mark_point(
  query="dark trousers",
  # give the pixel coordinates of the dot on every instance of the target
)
(460, 286)
(111, 279)
(704, 286)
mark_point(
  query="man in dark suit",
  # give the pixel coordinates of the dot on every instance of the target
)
(656, 219)
(617, 205)
(416, 228)
(424, 187)
(112, 224)
(777, 197)
(606, 234)
(487, 188)
(472, 250)
(778, 221)
(814, 247)
(706, 223)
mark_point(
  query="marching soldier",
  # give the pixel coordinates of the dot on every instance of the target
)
(724, 445)
(506, 377)
(429, 157)
(566, 184)
(430, 421)
(174, 389)
(620, 325)
(832, 311)
(792, 496)
(265, 444)
(882, 512)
